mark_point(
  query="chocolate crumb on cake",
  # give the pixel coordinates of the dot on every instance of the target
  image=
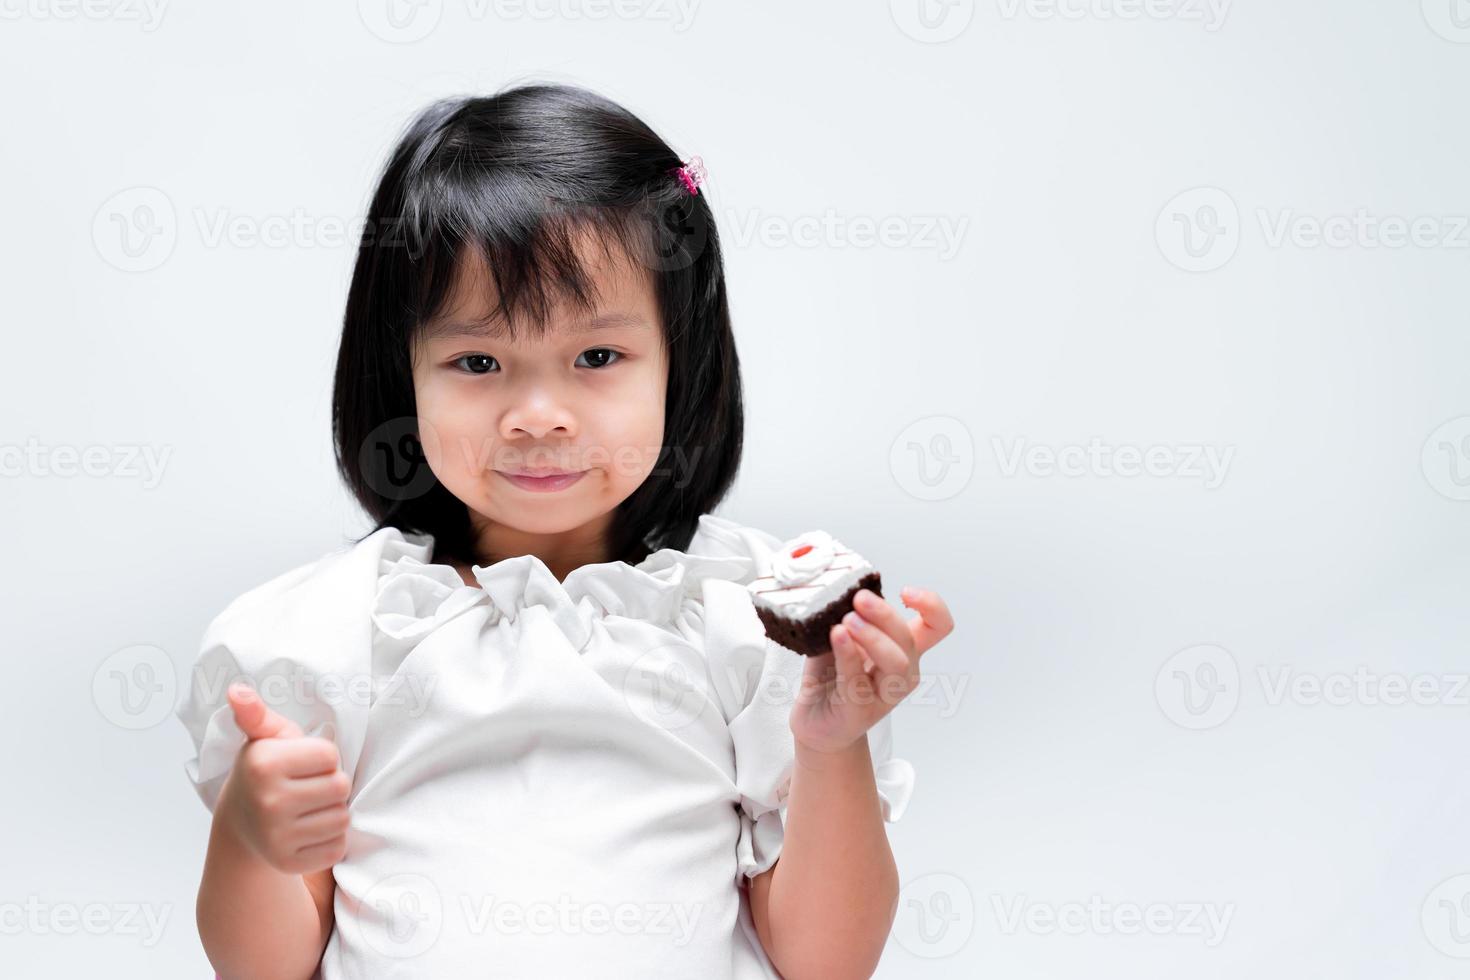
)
(811, 585)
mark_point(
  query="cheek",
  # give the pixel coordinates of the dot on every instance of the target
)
(453, 429)
(628, 415)
(622, 429)
(630, 441)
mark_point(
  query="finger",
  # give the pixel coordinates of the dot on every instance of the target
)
(324, 824)
(816, 674)
(881, 648)
(934, 622)
(255, 718)
(850, 673)
(309, 755)
(871, 607)
(315, 792)
(833, 635)
(312, 851)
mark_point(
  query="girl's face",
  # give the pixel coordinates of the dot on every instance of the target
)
(585, 399)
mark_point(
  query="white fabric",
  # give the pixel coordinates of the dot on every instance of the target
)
(548, 778)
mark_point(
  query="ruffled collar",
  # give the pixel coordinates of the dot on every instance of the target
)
(653, 590)
(415, 596)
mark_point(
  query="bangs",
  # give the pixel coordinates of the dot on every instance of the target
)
(537, 251)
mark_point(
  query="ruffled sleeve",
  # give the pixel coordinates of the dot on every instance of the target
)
(303, 640)
(756, 680)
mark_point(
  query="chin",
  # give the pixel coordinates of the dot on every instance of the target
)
(542, 519)
(533, 513)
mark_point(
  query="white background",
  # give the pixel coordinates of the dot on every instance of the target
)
(1060, 759)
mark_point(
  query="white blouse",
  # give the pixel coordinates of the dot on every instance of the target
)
(549, 779)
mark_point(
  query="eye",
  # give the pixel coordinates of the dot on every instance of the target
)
(603, 360)
(479, 363)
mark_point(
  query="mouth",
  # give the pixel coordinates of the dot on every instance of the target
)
(543, 481)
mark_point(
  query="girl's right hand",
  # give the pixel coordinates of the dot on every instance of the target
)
(286, 796)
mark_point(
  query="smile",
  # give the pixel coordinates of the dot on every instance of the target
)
(543, 484)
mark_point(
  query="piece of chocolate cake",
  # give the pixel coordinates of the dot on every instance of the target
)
(811, 584)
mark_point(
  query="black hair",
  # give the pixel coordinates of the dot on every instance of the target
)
(512, 178)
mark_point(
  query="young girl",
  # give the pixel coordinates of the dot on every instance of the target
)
(530, 725)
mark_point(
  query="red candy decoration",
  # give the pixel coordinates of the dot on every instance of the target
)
(801, 551)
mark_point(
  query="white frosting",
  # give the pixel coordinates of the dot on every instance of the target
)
(799, 586)
(816, 552)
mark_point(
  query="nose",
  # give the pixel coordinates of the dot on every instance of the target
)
(538, 414)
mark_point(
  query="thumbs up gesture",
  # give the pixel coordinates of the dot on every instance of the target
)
(286, 796)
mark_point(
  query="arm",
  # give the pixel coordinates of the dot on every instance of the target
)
(825, 908)
(254, 920)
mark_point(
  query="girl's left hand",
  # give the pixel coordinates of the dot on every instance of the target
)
(873, 665)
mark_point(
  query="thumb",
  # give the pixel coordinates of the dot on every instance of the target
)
(255, 718)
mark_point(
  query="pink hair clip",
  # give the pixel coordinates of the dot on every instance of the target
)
(692, 174)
